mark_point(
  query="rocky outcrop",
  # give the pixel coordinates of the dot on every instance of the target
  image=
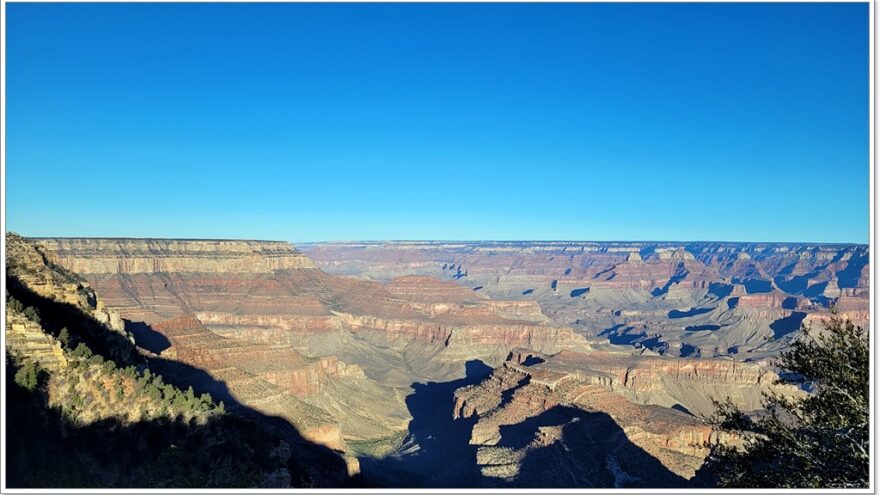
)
(30, 272)
(273, 379)
(86, 409)
(468, 341)
(292, 341)
(521, 409)
(343, 358)
(131, 256)
(28, 339)
(670, 382)
(691, 299)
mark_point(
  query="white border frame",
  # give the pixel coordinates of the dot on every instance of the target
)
(871, 244)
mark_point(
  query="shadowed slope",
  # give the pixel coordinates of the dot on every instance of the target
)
(436, 452)
(590, 451)
(76, 426)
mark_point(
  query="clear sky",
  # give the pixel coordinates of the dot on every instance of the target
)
(310, 122)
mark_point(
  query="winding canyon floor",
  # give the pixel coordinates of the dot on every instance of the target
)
(430, 364)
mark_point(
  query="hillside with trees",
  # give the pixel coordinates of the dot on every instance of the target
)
(84, 408)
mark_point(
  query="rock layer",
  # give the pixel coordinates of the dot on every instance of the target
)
(130, 256)
(522, 409)
(585, 340)
(744, 300)
(331, 355)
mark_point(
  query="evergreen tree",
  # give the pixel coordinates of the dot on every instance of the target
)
(109, 366)
(32, 314)
(82, 351)
(14, 304)
(28, 376)
(64, 337)
(818, 441)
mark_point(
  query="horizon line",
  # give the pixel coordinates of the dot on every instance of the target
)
(453, 241)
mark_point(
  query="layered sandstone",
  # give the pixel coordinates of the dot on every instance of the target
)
(586, 339)
(688, 299)
(27, 266)
(131, 256)
(273, 379)
(522, 409)
(28, 339)
(330, 355)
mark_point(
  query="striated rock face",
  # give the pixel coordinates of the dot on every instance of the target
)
(523, 412)
(686, 299)
(490, 342)
(131, 256)
(273, 379)
(670, 382)
(335, 357)
(28, 339)
(26, 266)
(606, 356)
(98, 411)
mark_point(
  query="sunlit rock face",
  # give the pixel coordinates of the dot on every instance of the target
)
(334, 356)
(535, 406)
(133, 256)
(51, 312)
(437, 364)
(743, 300)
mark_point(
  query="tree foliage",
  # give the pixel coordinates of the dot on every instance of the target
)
(29, 375)
(819, 440)
(64, 337)
(32, 314)
(14, 304)
(82, 351)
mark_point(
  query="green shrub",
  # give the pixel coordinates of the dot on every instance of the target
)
(82, 351)
(29, 375)
(64, 337)
(32, 314)
(154, 392)
(14, 304)
(109, 366)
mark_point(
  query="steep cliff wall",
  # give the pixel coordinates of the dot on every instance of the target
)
(343, 358)
(131, 256)
(684, 299)
(185, 278)
(86, 409)
(521, 411)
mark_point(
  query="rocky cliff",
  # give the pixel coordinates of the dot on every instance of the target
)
(87, 409)
(289, 340)
(586, 342)
(523, 410)
(131, 256)
(743, 300)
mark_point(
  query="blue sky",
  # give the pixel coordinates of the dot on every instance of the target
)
(310, 122)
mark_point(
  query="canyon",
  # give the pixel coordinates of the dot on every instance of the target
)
(473, 364)
(740, 300)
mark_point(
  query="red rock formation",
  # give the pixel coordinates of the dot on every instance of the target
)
(273, 334)
(334, 355)
(673, 437)
(601, 286)
(269, 378)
